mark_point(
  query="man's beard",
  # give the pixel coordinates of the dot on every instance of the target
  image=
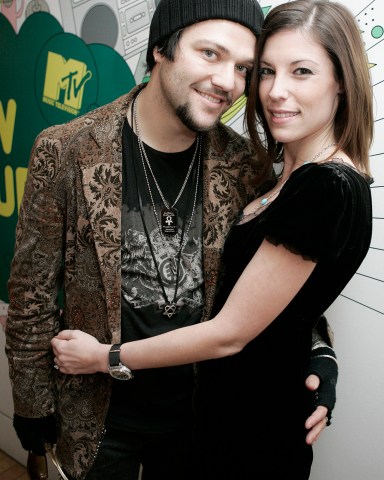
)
(184, 115)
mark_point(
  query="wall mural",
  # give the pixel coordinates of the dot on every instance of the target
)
(57, 63)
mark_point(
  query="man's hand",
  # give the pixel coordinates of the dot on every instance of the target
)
(319, 419)
(324, 365)
(323, 372)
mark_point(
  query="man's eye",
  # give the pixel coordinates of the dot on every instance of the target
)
(243, 70)
(209, 53)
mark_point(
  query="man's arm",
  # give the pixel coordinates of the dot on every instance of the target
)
(33, 315)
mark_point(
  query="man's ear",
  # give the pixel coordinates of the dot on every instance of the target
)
(155, 54)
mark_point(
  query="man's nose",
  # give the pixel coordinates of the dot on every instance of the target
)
(224, 77)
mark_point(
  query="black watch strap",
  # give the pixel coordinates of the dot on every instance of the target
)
(114, 355)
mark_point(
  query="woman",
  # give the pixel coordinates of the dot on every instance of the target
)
(286, 260)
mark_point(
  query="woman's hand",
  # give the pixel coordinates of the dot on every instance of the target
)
(78, 352)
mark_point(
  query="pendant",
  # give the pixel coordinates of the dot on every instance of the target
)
(170, 310)
(169, 221)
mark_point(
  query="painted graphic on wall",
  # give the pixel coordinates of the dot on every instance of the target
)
(57, 63)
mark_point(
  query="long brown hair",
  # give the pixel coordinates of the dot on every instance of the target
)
(335, 29)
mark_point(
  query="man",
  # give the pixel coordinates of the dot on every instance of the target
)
(127, 209)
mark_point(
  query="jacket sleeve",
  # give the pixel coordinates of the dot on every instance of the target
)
(34, 285)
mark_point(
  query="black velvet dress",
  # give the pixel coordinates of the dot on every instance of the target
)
(252, 406)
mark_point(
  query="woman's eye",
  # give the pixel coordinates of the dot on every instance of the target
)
(265, 71)
(303, 71)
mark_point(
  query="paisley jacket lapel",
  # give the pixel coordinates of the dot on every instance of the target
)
(101, 168)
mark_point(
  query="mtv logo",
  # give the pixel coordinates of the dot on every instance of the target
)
(64, 82)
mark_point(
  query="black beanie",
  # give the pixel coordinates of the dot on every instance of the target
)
(171, 15)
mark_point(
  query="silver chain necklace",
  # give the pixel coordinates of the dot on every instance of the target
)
(170, 308)
(169, 213)
(163, 229)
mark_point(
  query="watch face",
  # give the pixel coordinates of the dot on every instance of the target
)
(121, 372)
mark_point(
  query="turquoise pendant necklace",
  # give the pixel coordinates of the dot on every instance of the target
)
(265, 200)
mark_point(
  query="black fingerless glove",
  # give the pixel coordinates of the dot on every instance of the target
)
(35, 432)
(323, 363)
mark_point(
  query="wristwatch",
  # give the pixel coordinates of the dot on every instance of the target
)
(116, 368)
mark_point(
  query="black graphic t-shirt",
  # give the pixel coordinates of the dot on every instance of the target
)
(159, 399)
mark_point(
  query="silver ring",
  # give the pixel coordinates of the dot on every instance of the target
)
(326, 420)
(56, 366)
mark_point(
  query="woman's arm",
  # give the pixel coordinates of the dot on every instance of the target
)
(268, 284)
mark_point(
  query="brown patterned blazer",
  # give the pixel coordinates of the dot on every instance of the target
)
(69, 236)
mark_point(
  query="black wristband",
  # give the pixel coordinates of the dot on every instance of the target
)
(323, 363)
(35, 432)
